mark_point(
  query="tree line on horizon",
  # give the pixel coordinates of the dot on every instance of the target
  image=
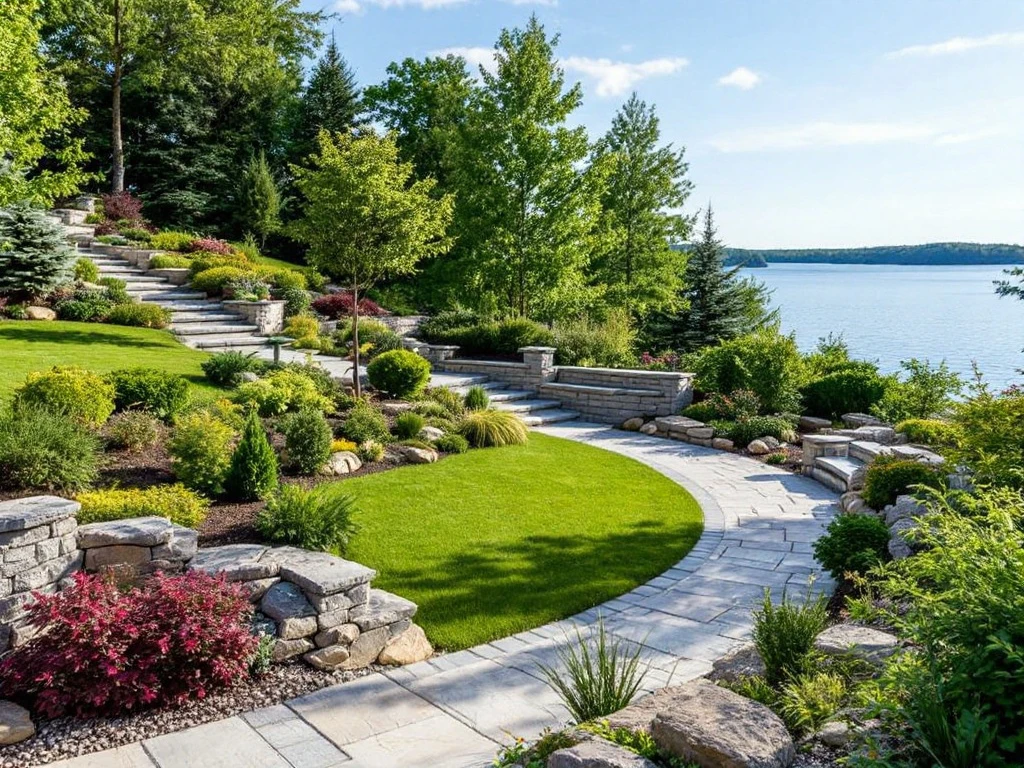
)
(932, 254)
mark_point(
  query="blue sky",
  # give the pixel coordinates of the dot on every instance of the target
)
(824, 123)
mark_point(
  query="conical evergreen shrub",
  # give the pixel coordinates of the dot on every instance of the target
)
(34, 256)
(253, 471)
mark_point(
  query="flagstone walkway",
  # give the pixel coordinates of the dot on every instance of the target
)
(454, 711)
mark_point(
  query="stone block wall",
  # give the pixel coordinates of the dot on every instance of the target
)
(406, 325)
(267, 316)
(515, 375)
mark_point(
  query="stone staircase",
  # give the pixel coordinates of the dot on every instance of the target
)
(534, 411)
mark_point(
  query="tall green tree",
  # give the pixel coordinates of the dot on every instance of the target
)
(716, 303)
(39, 160)
(528, 206)
(260, 199)
(331, 102)
(366, 217)
(641, 212)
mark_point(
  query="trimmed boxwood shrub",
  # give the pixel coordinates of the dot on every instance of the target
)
(889, 477)
(488, 428)
(175, 502)
(139, 315)
(282, 390)
(504, 337)
(167, 261)
(399, 373)
(853, 543)
(253, 471)
(851, 390)
(200, 448)
(364, 423)
(307, 440)
(159, 392)
(213, 281)
(43, 449)
(452, 444)
(80, 394)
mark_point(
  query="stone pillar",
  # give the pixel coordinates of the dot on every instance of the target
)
(823, 445)
(437, 354)
(541, 362)
(267, 316)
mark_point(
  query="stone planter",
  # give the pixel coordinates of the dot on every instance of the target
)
(267, 315)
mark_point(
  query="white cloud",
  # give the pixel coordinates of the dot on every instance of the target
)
(960, 45)
(533, 2)
(965, 137)
(475, 55)
(741, 78)
(836, 134)
(348, 6)
(616, 77)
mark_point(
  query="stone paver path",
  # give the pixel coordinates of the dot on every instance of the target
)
(455, 710)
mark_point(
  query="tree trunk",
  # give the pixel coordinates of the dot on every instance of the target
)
(117, 173)
(355, 339)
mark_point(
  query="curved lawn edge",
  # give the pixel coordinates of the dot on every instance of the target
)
(498, 541)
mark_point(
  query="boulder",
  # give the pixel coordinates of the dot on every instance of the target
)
(238, 562)
(342, 463)
(383, 608)
(287, 649)
(247, 377)
(853, 503)
(345, 634)
(394, 407)
(772, 443)
(367, 647)
(597, 754)
(296, 627)
(40, 313)
(286, 601)
(329, 658)
(15, 723)
(716, 728)
(905, 508)
(864, 643)
(722, 444)
(835, 734)
(743, 662)
(135, 532)
(899, 548)
(855, 420)
(758, 447)
(415, 455)
(319, 573)
(633, 424)
(650, 428)
(431, 433)
(813, 424)
(407, 648)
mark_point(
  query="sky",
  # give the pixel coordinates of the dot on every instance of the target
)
(806, 123)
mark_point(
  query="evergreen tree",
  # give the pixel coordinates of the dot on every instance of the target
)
(717, 303)
(34, 254)
(640, 217)
(253, 471)
(331, 102)
(260, 201)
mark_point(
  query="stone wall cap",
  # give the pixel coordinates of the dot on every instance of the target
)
(320, 573)
(538, 349)
(442, 346)
(136, 531)
(628, 372)
(258, 301)
(33, 511)
(238, 562)
(827, 439)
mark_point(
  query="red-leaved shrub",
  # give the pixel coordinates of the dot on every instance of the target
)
(122, 205)
(107, 651)
(106, 227)
(211, 245)
(335, 305)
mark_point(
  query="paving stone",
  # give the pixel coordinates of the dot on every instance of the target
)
(238, 562)
(225, 744)
(383, 608)
(439, 742)
(137, 531)
(33, 511)
(129, 756)
(319, 572)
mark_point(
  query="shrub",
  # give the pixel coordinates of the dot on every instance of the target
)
(476, 399)
(87, 308)
(296, 300)
(784, 635)
(212, 245)
(431, 410)
(364, 422)
(86, 271)
(283, 279)
(810, 700)
(408, 425)
(200, 448)
(253, 471)
(280, 391)
(851, 390)
(742, 432)
(201, 262)
(171, 241)
(175, 502)
(122, 206)
(133, 430)
(776, 458)
(43, 449)
(765, 362)
(302, 326)
(139, 315)
(375, 338)
(991, 429)
(335, 306)
(437, 327)
(493, 428)
(104, 651)
(225, 369)
(82, 395)
(343, 445)
(371, 451)
(159, 392)
(167, 261)
(503, 337)
(136, 234)
(318, 519)
(922, 393)
(307, 440)
(602, 675)
(399, 373)
(116, 291)
(452, 444)
(852, 543)
(931, 432)
(214, 281)
(447, 398)
(890, 476)
(704, 411)
(608, 344)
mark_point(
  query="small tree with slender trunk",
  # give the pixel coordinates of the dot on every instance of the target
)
(365, 218)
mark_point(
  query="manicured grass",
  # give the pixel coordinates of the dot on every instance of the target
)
(27, 345)
(499, 540)
(270, 261)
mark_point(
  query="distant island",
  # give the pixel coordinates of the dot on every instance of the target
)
(928, 254)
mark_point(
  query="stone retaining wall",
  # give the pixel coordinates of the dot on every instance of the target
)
(406, 325)
(267, 316)
(316, 605)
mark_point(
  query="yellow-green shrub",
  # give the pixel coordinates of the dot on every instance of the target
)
(171, 241)
(932, 432)
(302, 327)
(213, 280)
(200, 449)
(343, 445)
(79, 394)
(282, 390)
(175, 502)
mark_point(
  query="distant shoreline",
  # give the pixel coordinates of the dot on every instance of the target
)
(931, 254)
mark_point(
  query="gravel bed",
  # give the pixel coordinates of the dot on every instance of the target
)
(67, 737)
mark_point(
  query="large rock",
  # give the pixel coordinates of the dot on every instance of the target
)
(650, 428)
(758, 447)
(415, 455)
(329, 658)
(183, 545)
(382, 609)
(633, 424)
(287, 649)
(15, 723)
(408, 648)
(342, 463)
(286, 601)
(716, 728)
(40, 313)
(34, 511)
(134, 532)
(677, 424)
(344, 634)
(238, 562)
(597, 754)
(722, 444)
(813, 424)
(865, 643)
(906, 507)
(855, 420)
(319, 573)
(431, 433)
(367, 647)
(853, 503)
(123, 554)
(743, 662)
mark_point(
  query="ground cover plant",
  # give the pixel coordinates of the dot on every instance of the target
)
(511, 538)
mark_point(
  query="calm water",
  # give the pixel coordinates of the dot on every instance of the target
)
(892, 313)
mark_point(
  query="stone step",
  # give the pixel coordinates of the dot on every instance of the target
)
(162, 296)
(185, 305)
(510, 395)
(454, 380)
(189, 317)
(489, 386)
(120, 272)
(139, 279)
(550, 416)
(201, 329)
(917, 453)
(227, 341)
(529, 405)
(839, 472)
(867, 451)
(108, 261)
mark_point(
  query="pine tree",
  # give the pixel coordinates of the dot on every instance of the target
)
(260, 200)
(717, 303)
(34, 255)
(331, 102)
(253, 471)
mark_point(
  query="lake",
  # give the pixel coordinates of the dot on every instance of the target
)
(892, 313)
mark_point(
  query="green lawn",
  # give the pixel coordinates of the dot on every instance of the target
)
(500, 540)
(27, 345)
